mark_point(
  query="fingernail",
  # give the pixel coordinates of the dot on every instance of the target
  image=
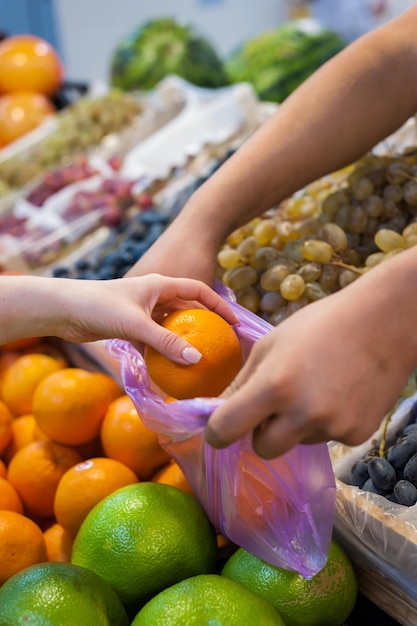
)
(191, 355)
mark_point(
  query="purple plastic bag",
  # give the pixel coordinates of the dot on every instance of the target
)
(280, 510)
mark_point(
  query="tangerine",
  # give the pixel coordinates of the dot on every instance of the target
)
(59, 543)
(69, 405)
(125, 438)
(84, 485)
(21, 544)
(172, 474)
(35, 472)
(31, 63)
(6, 421)
(21, 112)
(23, 376)
(9, 498)
(214, 338)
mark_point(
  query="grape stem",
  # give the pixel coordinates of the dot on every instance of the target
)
(339, 263)
(382, 444)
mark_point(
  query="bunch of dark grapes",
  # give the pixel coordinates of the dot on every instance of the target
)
(393, 475)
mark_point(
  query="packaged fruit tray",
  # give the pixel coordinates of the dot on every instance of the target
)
(99, 124)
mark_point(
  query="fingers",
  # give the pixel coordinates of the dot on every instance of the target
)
(170, 344)
(190, 289)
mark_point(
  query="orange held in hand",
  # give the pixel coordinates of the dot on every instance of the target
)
(214, 338)
(29, 62)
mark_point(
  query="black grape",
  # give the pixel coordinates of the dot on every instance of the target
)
(402, 450)
(410, 470)
(370, 486)
(382, 473)
(405, 493)
(359, 473)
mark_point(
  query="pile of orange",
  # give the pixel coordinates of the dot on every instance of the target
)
(68, 438)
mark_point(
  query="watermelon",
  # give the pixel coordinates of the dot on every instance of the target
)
(161, 47)
(277, 61)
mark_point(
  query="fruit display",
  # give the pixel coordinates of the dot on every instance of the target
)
(277, 61)
(161, 47)
(79, 128)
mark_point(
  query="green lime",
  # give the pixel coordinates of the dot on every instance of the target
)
(53, 594)
(144, 538)
(207, 600)
(327, 599)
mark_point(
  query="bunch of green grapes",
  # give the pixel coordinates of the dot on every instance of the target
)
(320, 241)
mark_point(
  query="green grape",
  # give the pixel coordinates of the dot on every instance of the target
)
(342, 216)
(373, 206)
(351, 257)
(317, 251)
(301, 208)
(393, 193)
(396, 173)
(287, 231)
(293, 250)
(271, 301)
(264, 257)
(388, 240)
(247, 248)
(392, 253)
(241, 277)
(329, 277)
(372, 226)
(314, 291)
(334, 202)
(335, 236)
(297, 304)
(409, 230)
(273, 277)
(346, 277)
(410, 241)
(236, 237)
(356, 220)
(310, 272)
(374, 259)
(278, 316)
(362, 188)
(390, 209)
(229, 258)
(264, 232)
(249, 298)
(410, 192)
(292, 287)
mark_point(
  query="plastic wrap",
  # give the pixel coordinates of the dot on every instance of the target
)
(375, 531)
(280, 510)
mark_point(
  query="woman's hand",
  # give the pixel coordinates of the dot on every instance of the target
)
(331, 371)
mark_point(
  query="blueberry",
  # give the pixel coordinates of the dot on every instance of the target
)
(61, 272)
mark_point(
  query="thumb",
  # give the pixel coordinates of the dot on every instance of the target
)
(171, 345)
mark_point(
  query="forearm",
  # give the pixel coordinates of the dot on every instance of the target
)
(29, 307)
(337, 115)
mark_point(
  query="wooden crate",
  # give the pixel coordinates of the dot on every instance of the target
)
(386, 595)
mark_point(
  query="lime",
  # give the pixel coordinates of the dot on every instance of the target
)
(209, 600)
(144, 538)
(327, 599)
(53, 594)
